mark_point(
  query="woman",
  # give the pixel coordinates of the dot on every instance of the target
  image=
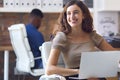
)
(75, 35)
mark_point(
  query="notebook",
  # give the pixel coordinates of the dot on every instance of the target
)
(99, 64)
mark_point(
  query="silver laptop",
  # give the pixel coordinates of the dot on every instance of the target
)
(99, 64)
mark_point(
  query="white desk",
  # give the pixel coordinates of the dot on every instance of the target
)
(6, 50)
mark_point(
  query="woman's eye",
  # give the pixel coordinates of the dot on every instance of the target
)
(68, 13)
(76, 12)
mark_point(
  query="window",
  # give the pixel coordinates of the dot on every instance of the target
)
(89, 3)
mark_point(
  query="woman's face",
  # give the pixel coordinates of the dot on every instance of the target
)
(74, 16)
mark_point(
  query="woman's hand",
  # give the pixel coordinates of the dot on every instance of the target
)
(92, 78)
(76, 71)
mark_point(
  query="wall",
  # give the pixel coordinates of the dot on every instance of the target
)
(7, 19)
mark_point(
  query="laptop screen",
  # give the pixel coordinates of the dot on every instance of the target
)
(99, 64)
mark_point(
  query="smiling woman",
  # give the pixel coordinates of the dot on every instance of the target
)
(74, 35)
(74, 16)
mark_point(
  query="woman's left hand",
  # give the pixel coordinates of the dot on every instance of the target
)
(92, 78)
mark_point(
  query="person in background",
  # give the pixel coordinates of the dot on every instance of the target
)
(74, 35)
(35, 37)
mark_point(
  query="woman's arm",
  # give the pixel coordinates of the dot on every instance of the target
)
(105, 46)
(52, 67)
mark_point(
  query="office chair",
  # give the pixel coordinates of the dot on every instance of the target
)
(24, 56)
(45, 52)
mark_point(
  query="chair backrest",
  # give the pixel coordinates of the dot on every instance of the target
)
(45, 52)
(24, 56)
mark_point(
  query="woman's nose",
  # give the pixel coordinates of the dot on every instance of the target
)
(72, 16)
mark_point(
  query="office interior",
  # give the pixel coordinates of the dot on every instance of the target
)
(106, 15)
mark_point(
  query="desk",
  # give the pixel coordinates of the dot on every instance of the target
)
(6, 50)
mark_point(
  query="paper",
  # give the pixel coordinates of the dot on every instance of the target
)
(108, 23)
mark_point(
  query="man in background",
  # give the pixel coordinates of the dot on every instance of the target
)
(35, 37)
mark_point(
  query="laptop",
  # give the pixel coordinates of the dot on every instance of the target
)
(99, 64)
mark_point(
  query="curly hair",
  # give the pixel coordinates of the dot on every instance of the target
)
(87, 23)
